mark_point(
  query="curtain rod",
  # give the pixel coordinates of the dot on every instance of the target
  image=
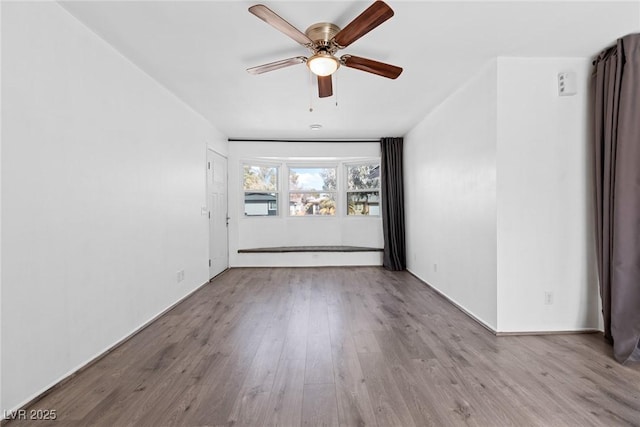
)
(334, 141)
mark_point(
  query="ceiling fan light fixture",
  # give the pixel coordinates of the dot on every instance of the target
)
(324, 40)
(323, 64)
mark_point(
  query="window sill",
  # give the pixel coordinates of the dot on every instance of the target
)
(282, 249)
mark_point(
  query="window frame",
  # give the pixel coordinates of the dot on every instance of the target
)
(345, 195)
(278, 190)
(313, 165)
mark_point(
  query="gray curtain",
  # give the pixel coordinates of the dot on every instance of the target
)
(617, 169)
(392, 203)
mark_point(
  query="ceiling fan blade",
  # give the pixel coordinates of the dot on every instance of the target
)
(273, 19)
(325, 86)
(373, 16)
(371, 66)
(276, 65)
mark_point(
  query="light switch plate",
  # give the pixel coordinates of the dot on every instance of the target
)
(567, 84)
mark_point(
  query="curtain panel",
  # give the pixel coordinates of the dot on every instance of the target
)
(391, 170)
(616, 85)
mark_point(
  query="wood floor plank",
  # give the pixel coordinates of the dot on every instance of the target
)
(319, 365)
(263, 368)
(285, 403)
(249, 409)
(319, 407)
(426, 402)
(341, 346)
(318, 321)
(388, 403)
(365, 342)
(295, 346)
(352, 394)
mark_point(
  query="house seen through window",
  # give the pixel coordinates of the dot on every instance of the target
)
(260, 184)
(363, 189)
(312, 191)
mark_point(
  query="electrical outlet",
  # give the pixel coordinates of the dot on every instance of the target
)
(435, 268)
(548, 298)
(180, 276)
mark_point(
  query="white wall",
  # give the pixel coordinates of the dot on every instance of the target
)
(545, 237)
(1, 133)
(450, 193)
(499, 197)
(103, 180)
(256, 232)
(217, 142)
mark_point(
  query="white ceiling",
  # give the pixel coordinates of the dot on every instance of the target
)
(200, 49)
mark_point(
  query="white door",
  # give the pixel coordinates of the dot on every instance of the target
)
(217, 197)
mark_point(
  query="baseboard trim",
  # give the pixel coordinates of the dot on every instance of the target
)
(455, 304)
(109, 350)
(214, 277)
(503, 334)
(525, 333)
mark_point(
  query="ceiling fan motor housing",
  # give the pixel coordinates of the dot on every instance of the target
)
(322, 34)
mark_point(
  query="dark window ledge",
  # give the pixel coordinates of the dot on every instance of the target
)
(281, 249)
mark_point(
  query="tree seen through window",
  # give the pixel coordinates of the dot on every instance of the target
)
(312, 191)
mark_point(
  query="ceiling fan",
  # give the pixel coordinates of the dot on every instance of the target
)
(324, 39)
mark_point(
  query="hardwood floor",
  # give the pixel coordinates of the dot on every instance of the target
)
(341, 346)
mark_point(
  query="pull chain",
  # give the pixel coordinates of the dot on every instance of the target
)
(336, 79)
(310, 91)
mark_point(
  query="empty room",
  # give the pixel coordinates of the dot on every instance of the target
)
(320, 213)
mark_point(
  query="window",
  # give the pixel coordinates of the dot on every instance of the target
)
(363, 189)
(260, 184)
(312, 191)
(336, 187)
